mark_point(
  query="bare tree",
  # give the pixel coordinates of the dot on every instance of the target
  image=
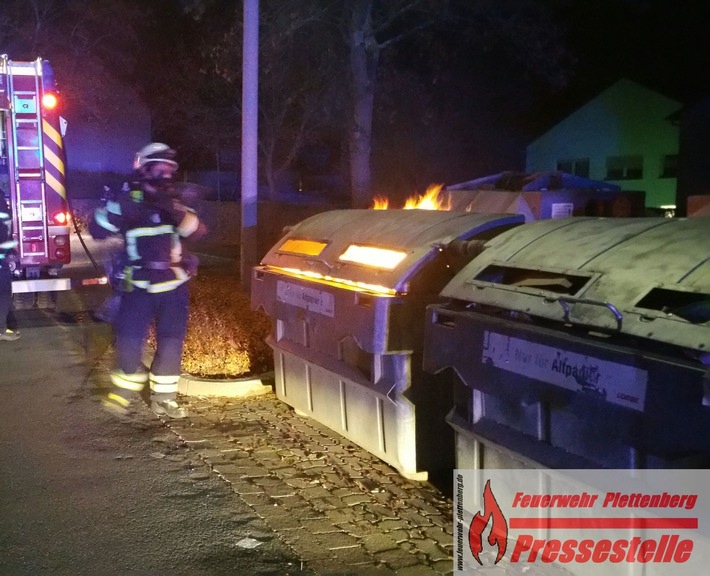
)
(371, 27)
(321, 64)
(92, 46)
(299, 94)
(299, 84)
(523, 31)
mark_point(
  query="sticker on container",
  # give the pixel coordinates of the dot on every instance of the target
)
(613, 382)
(562, 210)
(311, 299)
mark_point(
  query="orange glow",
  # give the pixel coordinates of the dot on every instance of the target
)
(61, 217)
(300, 246)
(49, 101)
(339, 282)
(429, 201)
(373, 256)
(101, 280)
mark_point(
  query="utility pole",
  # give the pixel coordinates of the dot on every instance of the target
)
(250, 134)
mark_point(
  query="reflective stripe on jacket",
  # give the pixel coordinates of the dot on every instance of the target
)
(6, 241)
(152, 233)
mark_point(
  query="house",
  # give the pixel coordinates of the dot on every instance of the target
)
(624, 136)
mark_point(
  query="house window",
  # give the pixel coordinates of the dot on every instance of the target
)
(624, 167)
(669, 169)
(579, 167)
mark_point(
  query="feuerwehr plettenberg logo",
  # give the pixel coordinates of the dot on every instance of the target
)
(601, 522)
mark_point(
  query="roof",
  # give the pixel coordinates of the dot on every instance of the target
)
(523, 181)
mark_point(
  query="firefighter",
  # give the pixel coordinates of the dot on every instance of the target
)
(7, 244)
(153, 281)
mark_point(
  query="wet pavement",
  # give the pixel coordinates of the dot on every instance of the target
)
(299, 489)
(85, 493)
(340, 509)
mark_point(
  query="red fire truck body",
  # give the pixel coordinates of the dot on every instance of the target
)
(33, 174)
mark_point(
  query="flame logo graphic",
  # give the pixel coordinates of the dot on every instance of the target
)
(499, 526)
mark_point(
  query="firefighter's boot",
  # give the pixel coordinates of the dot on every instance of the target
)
(9, 335)
(126, 392)
(169, 408)
(163, 394)
(120, 403)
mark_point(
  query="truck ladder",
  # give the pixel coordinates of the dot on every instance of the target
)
(25, 94)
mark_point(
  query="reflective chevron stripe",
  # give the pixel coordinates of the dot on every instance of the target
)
(54, 168)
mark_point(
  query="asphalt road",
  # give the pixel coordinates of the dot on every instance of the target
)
(241, 486)
(84, 493)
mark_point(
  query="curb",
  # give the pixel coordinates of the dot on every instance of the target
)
(240, 387)
(189, 385)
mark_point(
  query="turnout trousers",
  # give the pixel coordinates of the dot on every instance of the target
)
(138, 310)
(5, 295)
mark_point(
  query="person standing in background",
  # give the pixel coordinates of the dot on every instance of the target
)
(7, 244)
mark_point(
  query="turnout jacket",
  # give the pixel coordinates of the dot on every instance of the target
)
(152, 232)
(6, 242)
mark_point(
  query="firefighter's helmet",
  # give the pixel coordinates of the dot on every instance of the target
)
(155, 152)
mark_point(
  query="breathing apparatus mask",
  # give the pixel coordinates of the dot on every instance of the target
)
(156, 168)
(159, 182)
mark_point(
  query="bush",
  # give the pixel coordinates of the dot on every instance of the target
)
(225, 337)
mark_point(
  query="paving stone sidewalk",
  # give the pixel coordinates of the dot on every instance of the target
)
(343, 511)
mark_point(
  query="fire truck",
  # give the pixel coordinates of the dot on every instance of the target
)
(32, 174)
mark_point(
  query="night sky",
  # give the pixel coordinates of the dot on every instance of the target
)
(662, 44)
(484, 105)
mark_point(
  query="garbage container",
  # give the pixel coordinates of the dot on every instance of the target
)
(347, 292)
(586, 346)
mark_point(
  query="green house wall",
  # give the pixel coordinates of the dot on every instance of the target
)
(627, 119)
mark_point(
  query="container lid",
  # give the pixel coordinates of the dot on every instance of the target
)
(378, 247)
(648, 277)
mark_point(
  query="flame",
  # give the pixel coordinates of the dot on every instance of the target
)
(381, 203)
(429, 201)
(498, 535)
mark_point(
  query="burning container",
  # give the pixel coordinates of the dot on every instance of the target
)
(543, 195)
(347, 291)
(580, 343)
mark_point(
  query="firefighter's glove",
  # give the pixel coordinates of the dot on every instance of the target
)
(116, 267)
